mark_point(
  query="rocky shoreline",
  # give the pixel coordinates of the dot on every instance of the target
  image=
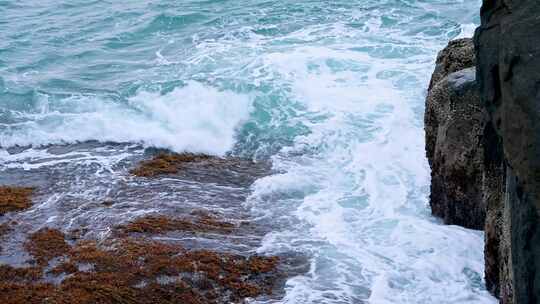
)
(162, 256)
(483, 143)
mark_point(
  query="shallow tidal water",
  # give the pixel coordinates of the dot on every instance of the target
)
(327, 97)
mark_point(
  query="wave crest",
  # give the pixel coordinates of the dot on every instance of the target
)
(194, 118)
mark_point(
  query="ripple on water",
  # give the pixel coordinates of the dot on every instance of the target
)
(331, 94)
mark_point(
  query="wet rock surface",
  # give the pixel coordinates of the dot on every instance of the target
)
(230, 171)
(458, 55)
(508, 50)
(97, 231)
(133, 270)
(499, 155)
(14, 199)
(454, 123)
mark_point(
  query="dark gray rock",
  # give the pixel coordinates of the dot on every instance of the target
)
(462, 81)
(508, 68)
(496, 248)
(454, 123)
(458, 55)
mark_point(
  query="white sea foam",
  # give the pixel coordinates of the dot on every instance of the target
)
(194, 118)
(358, 195)
(351, 192)
(467, 30)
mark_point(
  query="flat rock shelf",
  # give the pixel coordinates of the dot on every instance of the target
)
(176, 253)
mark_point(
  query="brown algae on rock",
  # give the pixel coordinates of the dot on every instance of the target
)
(126, 269)
(135, 264)
(46, 244)
(156, 224)
(15, 199)
(166, 163)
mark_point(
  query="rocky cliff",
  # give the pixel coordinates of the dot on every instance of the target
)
(508, 68)
(483, 143)
(466, 158)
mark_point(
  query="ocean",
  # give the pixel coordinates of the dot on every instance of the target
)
(325, 97)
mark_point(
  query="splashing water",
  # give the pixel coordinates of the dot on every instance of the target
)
(332, 92)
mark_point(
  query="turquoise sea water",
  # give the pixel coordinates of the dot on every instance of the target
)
(331, 92)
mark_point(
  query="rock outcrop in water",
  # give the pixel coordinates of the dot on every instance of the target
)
(458, 55)
(172, 252)
(454, 123)
(486, 158)
(133, 270)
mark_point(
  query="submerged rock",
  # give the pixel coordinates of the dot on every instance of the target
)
(46, 244)
(4, 230)
(168, 163)
(179, 234)
(454, 123)
(15, 199)
(133, 270)
(229, 171)
(163, 224)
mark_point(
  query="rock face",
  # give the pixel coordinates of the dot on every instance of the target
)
(454, 124)
(483, 143)
(458, 55)
(508, 68)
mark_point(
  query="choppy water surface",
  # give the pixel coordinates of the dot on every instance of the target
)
(331, 93)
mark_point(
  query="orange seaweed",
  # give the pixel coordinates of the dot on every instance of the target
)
(156, 224)
(129, 270)
(14, 199)
(166, 163)
(46, 244)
